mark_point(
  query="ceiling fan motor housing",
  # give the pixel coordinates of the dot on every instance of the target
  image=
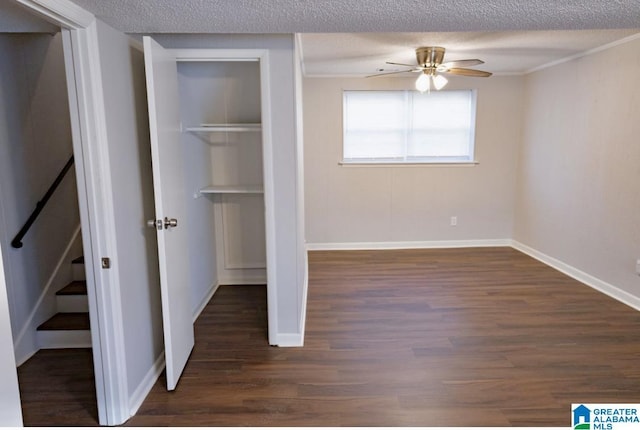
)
(430, 56)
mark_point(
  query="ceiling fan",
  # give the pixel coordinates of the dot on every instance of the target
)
(430, 66)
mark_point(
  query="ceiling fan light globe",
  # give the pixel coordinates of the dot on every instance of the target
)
(439, 82)
(422, 83)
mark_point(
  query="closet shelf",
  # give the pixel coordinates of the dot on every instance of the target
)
(226, 128)
(232, 189)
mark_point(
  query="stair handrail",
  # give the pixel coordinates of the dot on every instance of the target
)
(17, 241)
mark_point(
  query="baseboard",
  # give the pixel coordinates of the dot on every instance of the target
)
(145, 386)
(577, 274)
(289, 339)
(305, 290)
(31, 323)
(243, 280)
(205, 301)
(353, 246)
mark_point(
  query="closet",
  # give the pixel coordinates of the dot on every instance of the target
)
(210, 148)
(222, 140)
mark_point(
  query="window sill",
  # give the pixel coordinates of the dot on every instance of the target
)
(408, 164)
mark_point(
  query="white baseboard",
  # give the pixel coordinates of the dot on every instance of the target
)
(205, 301)
(305, 290)
(577, 274)
(289, 339)
(243, 280)
(145, 386)
(353, 246)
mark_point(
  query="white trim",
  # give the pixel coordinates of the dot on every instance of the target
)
(585, 53)
(288, 340)
(300, 52)
(29, 324)
(205, 301)
(360, 163)
(86, 105)
(305, 291)
(408, 245)
(577, 274)
(269, 197)
(301, 252)
(60, 12)
(243, 279)
(82, 118)
(104, 299)
(218, 54)
(142, 390)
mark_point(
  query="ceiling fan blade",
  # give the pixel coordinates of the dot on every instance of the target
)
(390, 73)
(460, 63)
(468, 72)
(401, 64)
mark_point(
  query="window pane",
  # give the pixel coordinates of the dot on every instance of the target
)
(384, 111)
(408, 126)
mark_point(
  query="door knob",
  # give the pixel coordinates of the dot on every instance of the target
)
(155, 224)
(170, 222)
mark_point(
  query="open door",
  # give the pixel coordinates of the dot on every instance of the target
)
(169, 191)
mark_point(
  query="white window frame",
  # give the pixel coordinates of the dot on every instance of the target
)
(468, 160)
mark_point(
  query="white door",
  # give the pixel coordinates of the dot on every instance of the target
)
(169, 191)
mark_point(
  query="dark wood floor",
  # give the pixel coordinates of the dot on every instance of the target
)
(456, 337)
(57, 388)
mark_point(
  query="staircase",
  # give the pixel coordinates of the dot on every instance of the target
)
(69, 327)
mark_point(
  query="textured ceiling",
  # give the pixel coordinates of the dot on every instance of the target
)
(360, 35)
(361, 54)
(346, 16)
(357, 37)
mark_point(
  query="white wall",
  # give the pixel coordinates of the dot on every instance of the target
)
(123, 79)
(283, 134)
(10, 410)
(356, 204)
(35, 143)
(579, 182)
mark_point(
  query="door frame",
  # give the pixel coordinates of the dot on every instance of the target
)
(88, 124)
(262, 57)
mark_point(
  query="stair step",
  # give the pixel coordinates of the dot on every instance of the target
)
(74, 288)
(65, 330)
(66, 321)
(73, 298)
(77, 269)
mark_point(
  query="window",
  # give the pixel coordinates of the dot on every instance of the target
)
(408, 127)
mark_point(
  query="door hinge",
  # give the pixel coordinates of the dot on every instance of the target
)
(106, 263)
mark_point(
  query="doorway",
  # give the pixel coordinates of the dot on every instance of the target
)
(40, 230)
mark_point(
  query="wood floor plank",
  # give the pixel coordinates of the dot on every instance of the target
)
(449, 337)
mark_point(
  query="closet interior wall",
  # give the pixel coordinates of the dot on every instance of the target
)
(222, 141)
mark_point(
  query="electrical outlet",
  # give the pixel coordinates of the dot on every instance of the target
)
(638, 266)
(454, 221)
